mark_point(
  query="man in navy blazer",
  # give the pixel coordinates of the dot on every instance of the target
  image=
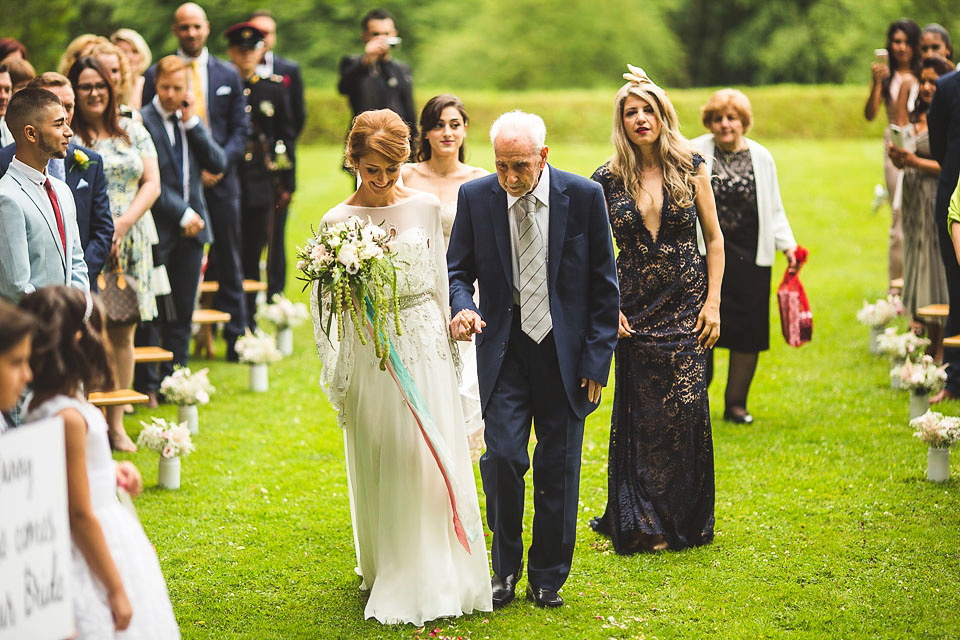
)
(184, 150)
(219, 103)
(537, 242)
(943, 120)
(82, 170)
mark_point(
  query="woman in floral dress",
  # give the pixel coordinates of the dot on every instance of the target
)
(133, 184)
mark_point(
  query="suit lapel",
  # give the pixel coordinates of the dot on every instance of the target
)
(559, 208)
(71, 177)
(48, 218)
(501, 230)
(150, 113)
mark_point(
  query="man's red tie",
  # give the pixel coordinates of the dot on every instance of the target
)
(56, 211)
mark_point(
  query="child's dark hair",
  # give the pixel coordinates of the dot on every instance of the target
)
(15, 325)
(60, 361)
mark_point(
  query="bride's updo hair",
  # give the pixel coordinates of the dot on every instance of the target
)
(381, 131)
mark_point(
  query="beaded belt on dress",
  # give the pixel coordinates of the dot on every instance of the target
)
(407, 302)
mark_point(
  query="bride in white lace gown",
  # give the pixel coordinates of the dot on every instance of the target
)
(440, 170)
(410, 556)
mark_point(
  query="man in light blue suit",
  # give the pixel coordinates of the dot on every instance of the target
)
(82, 170)
(39, 237)
(537, 242)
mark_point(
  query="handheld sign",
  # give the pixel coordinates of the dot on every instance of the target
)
(35, 600)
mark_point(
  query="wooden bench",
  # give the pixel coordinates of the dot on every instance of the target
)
(114, 398)
(249, 286)
(934, 311)
(896, 283)
(203, 342)
(151, 354)
(951, 342)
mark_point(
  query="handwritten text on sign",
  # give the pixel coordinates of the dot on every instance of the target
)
(34, 533)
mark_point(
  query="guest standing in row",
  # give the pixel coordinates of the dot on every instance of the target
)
(273, 65)
(440, 170)
(266, 175)
(184, 149)
(660, 472)
(82, 170)
(755, 227)
(138, 55)
(935, 41)
(924, 277)
(218, 101)
(888, 80)
(133, 185)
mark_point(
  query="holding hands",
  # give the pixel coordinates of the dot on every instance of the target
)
(465, 324)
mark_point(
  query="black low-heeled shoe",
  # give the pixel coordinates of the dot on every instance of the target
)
(544, 597)
(504, 589)
(737, 417)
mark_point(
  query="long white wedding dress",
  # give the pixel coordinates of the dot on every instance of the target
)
(409, 554)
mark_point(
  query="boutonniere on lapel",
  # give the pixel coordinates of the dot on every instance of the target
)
(81, 160)
(266, 108)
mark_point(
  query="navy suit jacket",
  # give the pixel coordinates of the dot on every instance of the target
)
(581, 277)
(171, 205)
(943, 120)
(93, 205)
(226, 115)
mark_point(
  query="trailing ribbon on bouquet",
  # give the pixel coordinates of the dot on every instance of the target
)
(428, 429)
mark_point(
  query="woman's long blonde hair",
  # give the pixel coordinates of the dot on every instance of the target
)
(674, 151)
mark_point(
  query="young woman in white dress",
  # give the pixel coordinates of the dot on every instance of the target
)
(117, 585)
(412, 556)
(440, 170)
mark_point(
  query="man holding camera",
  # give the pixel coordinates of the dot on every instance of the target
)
(374, 80)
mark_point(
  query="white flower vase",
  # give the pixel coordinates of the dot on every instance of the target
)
(875, 332)
(189, 413)
(285, 341)
(919, 403)
(169, 476)
(896, 382)
(938, 464)
(258, 377)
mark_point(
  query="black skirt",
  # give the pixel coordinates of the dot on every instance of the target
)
(744, 303)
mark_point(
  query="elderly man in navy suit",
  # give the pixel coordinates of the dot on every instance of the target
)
(537, 242)
(82, 170)
(943, 120)
(220, 105)
(184, 151)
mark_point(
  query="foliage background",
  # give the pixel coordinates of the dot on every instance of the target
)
(523, 44)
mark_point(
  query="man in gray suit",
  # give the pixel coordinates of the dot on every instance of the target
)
(39, 237)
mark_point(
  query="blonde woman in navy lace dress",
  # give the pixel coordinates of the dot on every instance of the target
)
(660, 473)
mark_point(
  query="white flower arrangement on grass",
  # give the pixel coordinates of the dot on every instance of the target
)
(184, 388)
(901, 345)
(282, 313)
(937, 430)
(258, 348)
(880, 313)
(923, 376)
(169, 439)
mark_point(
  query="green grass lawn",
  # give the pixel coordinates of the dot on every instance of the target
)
(825, 523)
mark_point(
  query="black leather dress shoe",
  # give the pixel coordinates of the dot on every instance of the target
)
(543, 597)
(738, 417)
(505, 588)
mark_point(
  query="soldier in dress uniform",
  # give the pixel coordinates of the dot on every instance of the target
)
(266, 173)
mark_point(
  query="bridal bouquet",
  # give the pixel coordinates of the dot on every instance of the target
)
(184, 388)
(923, 376)
(901, 345)
(936, 430)
(282, 313)
(880, 313)
(257, 348)
(356, 275)
(168, 439)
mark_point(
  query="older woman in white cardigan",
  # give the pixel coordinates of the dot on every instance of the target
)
(755, 227)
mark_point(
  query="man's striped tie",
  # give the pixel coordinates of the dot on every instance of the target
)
(535, 317)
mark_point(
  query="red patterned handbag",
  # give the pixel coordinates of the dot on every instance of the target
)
(796, 318)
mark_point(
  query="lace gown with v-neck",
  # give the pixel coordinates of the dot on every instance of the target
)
(660, 473)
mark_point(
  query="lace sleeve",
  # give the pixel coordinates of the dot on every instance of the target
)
(336, 355)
